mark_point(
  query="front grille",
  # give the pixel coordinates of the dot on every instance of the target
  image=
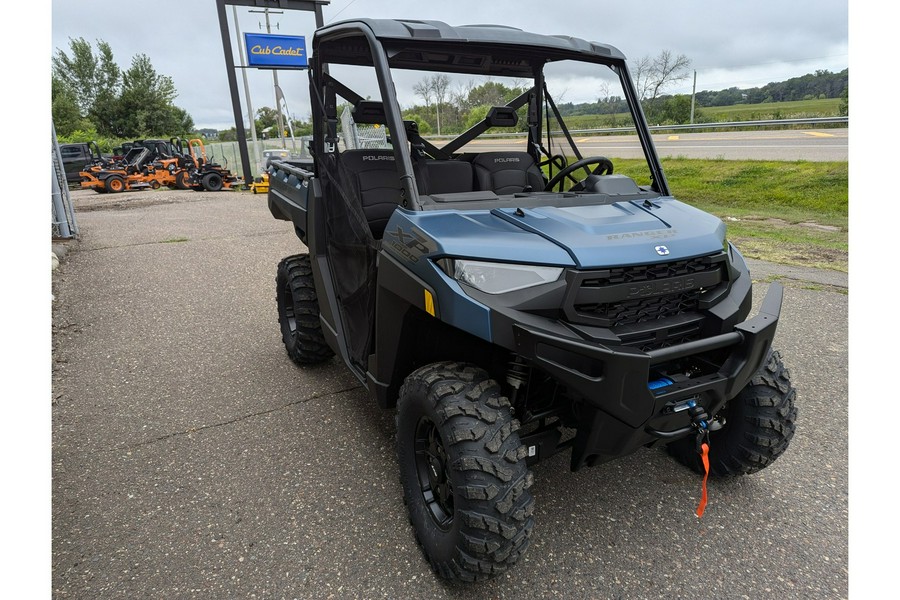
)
(630, 312)
(642, 273)
(626, 296)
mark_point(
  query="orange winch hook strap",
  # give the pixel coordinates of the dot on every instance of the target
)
(704, 456)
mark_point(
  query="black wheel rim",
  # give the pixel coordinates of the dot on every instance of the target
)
(434, 474)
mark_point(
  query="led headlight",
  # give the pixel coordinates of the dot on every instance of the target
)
(499, 278)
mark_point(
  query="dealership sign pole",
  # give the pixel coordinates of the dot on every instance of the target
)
(279, 55)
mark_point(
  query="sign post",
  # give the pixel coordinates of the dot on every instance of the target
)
(307, 5)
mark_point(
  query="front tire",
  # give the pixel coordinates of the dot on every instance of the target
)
(115, 184)
(182, 180)
(298, 312)
(463, 471)
(759, 424)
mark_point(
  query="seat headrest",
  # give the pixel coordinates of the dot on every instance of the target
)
(502, 116)
(369, 112)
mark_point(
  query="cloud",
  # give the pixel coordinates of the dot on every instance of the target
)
(735, 43)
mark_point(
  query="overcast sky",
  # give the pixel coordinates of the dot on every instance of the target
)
(731, 43)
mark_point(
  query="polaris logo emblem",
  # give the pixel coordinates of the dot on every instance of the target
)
(506, 160)
(662, 250)
(378, 157)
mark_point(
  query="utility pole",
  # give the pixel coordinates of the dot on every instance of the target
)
(241, 51)
(693, 95)
(275, 76)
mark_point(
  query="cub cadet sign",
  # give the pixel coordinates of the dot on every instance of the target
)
(276, 51)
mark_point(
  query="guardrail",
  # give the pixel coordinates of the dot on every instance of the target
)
(729, 124)
(689, 127)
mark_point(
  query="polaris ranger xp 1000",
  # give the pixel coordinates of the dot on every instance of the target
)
(511, 299)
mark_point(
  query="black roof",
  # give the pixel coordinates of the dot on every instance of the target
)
(494, 39)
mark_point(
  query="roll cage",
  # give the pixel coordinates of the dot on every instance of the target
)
(490, 50)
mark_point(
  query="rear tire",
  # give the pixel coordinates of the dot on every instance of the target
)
(212, 182)
(463, 471)
(298, 312)
(759, 424)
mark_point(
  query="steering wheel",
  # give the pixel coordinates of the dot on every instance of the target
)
(604, 167)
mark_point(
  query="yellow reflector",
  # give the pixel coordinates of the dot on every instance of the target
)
(429, 303)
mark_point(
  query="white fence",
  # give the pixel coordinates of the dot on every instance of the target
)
(228, 154)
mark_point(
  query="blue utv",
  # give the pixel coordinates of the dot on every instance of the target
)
(504, 291)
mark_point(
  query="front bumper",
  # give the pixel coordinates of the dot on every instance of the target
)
(617, 412)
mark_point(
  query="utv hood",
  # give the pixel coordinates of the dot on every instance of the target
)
(622, 233)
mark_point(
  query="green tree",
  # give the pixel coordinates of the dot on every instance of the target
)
(301, 128)
(490, 93)
(266, 117)
(670, 110)
(90, 77)
(136, 103)
(424, 126)
(228, 135)
(64, 108)
(477, 114)
(145, 107)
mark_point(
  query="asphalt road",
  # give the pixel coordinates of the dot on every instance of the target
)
(192, 459)
(813, 144)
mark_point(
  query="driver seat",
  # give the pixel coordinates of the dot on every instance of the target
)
(507, 173)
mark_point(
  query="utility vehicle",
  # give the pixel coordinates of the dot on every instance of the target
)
(512, 299)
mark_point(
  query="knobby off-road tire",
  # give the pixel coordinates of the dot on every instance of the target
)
(463, 471)
(298, 312)
(759, 425)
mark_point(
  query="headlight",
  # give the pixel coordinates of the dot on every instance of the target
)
(499, 278)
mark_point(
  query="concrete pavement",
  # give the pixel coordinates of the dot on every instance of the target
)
(192, 459)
